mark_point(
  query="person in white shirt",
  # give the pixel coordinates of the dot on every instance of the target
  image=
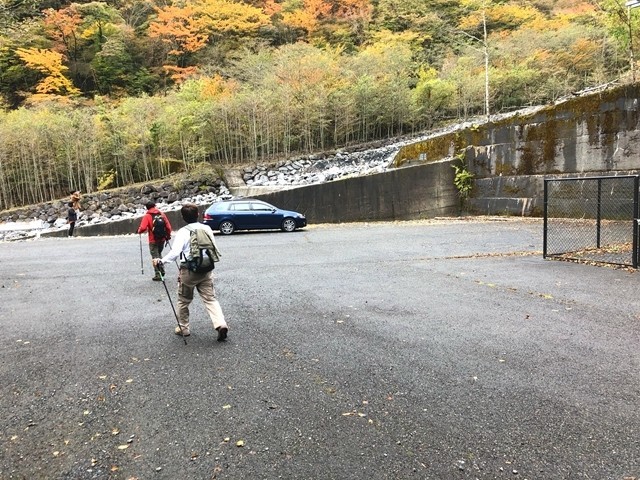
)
(188, 281)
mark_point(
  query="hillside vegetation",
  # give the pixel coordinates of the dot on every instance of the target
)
(96, 95)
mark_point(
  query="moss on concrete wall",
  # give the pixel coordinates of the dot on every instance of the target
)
(546, 141)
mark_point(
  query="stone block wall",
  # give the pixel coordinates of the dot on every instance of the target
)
(589, 135)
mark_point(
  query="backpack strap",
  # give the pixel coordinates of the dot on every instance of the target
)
(182, 255)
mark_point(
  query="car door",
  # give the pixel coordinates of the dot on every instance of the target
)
(266, 216)
(242, 216)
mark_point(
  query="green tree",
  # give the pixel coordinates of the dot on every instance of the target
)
(623, 25)
(434, 97)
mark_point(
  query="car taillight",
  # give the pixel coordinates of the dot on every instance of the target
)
(207, 216)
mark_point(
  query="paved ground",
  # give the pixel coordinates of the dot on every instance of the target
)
(430, 350)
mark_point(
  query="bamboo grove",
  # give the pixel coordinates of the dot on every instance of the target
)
(99, 95)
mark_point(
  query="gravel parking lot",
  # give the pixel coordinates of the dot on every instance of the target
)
(443, 349)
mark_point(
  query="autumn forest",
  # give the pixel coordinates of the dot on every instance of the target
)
(95, 95)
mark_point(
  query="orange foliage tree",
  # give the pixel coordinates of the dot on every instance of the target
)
(189, 28)
(62, 26)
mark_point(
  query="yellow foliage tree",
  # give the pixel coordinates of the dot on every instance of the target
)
(217, 87)
(50, 64)
(497, 16)
(228, 17)
(307, 18)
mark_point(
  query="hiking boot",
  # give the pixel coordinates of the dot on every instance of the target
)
(157, 278)
(222, 333)
(183, 333)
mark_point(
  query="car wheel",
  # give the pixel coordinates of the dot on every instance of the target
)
(227, 227)
(288, 225)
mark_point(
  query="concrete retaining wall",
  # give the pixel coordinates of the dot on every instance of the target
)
(120, 227)
(589, 135)
(422, 191)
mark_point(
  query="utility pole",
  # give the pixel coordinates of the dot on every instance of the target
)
(485, 44)
(485, 51)
(632, 61)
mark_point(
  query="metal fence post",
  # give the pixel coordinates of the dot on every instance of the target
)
(544, 227)
(599, 213)
(634, 253)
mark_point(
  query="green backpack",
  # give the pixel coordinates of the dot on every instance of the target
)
(203, 251)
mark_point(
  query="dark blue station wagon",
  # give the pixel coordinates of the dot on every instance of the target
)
(249, 214)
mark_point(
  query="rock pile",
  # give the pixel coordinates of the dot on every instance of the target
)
(312, 169)
(113, 205)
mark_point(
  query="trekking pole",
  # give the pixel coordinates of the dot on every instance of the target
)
(141, 262)
(161, 270)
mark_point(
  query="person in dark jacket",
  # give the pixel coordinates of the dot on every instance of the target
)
(157, 238)
(72, 217)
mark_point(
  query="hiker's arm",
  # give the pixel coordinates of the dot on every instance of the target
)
(182, 237)
(143, 225)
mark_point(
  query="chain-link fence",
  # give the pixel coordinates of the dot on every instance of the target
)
(592, 219)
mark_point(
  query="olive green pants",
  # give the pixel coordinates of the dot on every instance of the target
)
(156, 252)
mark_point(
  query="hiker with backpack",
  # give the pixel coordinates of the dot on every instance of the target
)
(157, 224)
(195, 248)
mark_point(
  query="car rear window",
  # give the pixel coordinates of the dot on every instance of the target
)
(218, 206)
(240, 207)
